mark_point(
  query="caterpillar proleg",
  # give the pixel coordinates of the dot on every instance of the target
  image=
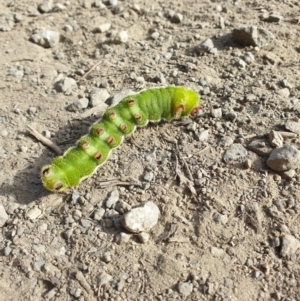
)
(133, 111)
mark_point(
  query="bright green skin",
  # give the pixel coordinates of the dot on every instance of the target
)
(92, 150)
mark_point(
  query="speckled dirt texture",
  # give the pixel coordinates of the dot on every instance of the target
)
(228, 227)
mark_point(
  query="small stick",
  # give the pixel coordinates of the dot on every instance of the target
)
(90, 70)
(287, 134)
(44, 140)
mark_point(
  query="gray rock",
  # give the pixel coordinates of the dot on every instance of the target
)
(160, 78)
(18, 17)
(220, 218)
(288, 174)
(143, 237)
(7, 250)
(289, 245)
(284, 92)
(122, 207)
(112, 199)
(216, 251)
(86, 223)
(3, 216)
(104, 279)
(77, 214)
(66, 85)
(276, 139)
(141, 219)
(284, 158)
(216, 113)
(46, 6)
(293, 126)
(148, 176)
(121, 37)
(78, 105)
(102, 28)
(98, 214)
(241, 63)
(119, 96)
(111, 213)
(235, 152)
(176, 18)
(274, 18)
(253, 36)
(16, 71)
(225, 141)
(260, 147)
(34, 213)
(113, 2)
(205, 46)
(98, 96)
(249, 57)
(203, 135)
(185, 288)
(46, 38)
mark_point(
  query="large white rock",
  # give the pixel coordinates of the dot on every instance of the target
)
(141, 219)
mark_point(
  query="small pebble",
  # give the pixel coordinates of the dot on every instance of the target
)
(98, 96)
(78, 105)
(143, 237)
(289, 245)
(185, 288)
(46, 38)
(235, 152)
(34, 213)
(3, 216)
(112, 199)
(98, 214)
(102, 28)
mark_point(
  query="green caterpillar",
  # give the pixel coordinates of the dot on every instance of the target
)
(92, 150)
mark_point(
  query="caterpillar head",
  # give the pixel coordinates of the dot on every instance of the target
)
(192, 104)
(53, 178)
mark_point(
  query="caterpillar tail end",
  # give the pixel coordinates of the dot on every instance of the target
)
(51, 179)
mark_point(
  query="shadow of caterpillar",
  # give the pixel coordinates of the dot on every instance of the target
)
(133, 111)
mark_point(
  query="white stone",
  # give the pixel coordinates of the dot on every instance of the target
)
(34, 213)
(141, 219)
(3, 216)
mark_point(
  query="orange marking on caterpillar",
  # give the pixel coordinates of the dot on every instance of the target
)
(85, 144)
(131, 102)
(123, 127)
(110, 140)
(179, 109)
(100, 131)
(138, 116)
(98, 156)
(112, 115)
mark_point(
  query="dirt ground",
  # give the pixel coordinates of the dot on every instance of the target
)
(228, 229)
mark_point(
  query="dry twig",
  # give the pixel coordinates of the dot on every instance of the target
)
(90, 71)
(44, 140)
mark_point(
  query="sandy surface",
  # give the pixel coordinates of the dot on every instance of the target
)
(228, 229)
